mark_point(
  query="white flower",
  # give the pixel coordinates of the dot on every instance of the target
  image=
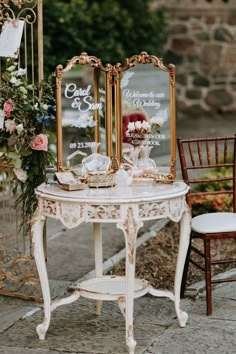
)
(160, 118)
(131, 126)
(84, 122)
(45, 106)
(10, 126)
(160, 121)
(19, 128)
(20, 174)
(36, 106)
(21, 72)
(138, 124)
(91, 124)
(146, 125)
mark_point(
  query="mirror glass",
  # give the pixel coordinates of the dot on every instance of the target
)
(81, 113)
(146, 116)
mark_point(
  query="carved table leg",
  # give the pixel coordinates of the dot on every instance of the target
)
(130, 228)
(97, 234)
(39, 256)
(185, 229)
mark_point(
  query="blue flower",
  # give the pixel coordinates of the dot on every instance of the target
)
(52, 110)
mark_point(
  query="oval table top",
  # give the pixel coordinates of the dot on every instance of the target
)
(139, 191)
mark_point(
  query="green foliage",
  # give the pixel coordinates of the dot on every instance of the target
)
(109, 29)
(26, 111)
(37, 161)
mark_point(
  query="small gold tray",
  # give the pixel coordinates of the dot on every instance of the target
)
(68, 182)
(73, 187)
(101, 180)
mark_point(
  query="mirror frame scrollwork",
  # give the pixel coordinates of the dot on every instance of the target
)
(144, 58)
(96, 63)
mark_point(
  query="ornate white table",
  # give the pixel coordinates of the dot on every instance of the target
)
(128, 207)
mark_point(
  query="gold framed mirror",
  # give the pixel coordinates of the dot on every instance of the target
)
(145, 114)
(84, 106)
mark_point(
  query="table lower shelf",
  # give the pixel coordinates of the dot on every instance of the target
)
(110, 287)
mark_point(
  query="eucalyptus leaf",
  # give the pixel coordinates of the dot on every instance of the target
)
(18, 163)
(12, 140)
(14, 156)
(6, 76)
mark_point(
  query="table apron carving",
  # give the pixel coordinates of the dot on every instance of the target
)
(72, 214)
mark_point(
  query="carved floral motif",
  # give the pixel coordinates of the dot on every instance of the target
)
(130, 228)
(48, 207)
(171, 208)
(71, 215)
(176, 207)
(104, 212)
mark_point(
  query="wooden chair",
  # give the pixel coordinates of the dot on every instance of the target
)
(198, 157)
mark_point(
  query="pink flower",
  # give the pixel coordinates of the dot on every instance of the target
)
(8, 107)
(10, 125)
(40, 142)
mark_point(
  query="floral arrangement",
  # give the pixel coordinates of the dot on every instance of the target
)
(144, 130)
(137, 131)
(87, 123)
(25, 112)
(158, 120)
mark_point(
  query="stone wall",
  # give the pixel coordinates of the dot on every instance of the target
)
(202, 45)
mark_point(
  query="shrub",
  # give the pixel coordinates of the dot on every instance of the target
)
(217, 202)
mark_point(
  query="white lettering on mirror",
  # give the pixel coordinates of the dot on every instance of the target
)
(136, 93)
(81, 98)
(151, 103)
(143, 99)
(148, 138)
(72, 91)
(81, 145)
